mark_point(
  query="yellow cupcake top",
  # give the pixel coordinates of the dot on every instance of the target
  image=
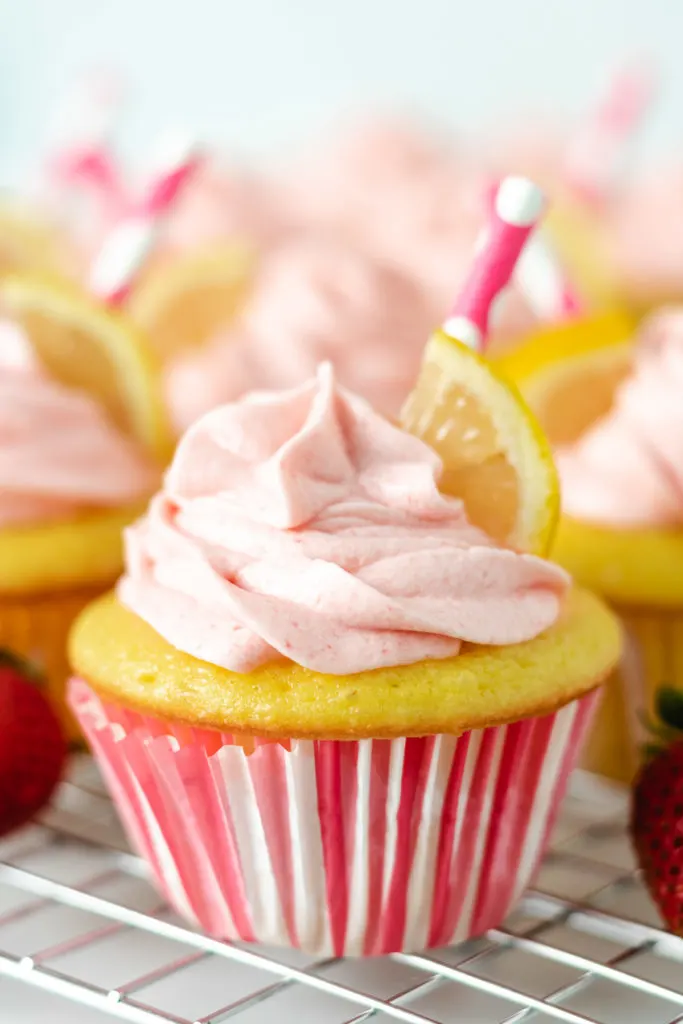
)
(127, 661)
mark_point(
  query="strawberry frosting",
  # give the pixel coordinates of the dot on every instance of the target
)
(399, 192)
(535, 147)
(59, 454)
(627, 470)
(303, 525)
(645, 238)
(223, 204)
(314, 300)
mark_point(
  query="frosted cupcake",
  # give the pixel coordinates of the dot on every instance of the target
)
(398, 192)
(645, 240)
(77, 463)
(336, 696)
(316, 671)
(621, 531)
(318, 299)
(314, 299)
(224, 204)
(583, 167)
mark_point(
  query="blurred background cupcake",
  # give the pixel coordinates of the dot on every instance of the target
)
(83, 439)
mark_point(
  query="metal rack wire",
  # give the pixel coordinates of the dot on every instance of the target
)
(84, 939)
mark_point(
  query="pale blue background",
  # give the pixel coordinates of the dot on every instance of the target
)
(260, 74)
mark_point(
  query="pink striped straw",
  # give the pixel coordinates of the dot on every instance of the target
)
(518, 206)
(124, 252)
(541, 276)
(596, 156)
(85, 126)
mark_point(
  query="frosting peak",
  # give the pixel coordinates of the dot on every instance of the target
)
(627, 470)
(302, 524)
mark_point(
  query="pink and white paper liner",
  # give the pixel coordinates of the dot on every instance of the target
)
(339, 848)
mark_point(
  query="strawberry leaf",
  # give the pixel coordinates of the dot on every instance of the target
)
(670, 707)
(22, 666)
(651, 750)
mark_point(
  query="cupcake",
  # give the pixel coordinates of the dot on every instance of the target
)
(334, 184)
(80, 439)
(222, 204)
(210, 229)
(622, 495)
(398, 192)
(645, 240)
(334, 712)
(209, 226)
(315, 299)
(583, 165)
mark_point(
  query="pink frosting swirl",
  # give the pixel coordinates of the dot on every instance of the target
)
(645, 237)
(536, 148)
(338, 180)
(303, 525)
(58, 452)
(627, 471)
(315, 300)
(224, 203)
(401, 193)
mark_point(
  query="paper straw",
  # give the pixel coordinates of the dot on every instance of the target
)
(544, 283)
(124, 253)
(541, 277)
(595, 158)
(518, 206)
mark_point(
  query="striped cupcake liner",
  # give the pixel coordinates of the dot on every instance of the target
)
(337, 847)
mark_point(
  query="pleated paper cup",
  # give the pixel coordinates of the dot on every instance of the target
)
(652, 658)
(337, 847)
(36, 627)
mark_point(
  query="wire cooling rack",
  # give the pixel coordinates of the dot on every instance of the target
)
(84, 939)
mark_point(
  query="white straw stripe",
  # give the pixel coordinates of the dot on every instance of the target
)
(463, 330)
(128, 246)
(519, 201)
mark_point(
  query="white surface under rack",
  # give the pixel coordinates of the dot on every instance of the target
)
(84, 939)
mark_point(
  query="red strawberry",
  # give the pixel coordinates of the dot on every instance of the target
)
(32, 745)
(657, 812)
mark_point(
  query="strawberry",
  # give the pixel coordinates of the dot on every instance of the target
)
(32, 745)
(657, 811)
